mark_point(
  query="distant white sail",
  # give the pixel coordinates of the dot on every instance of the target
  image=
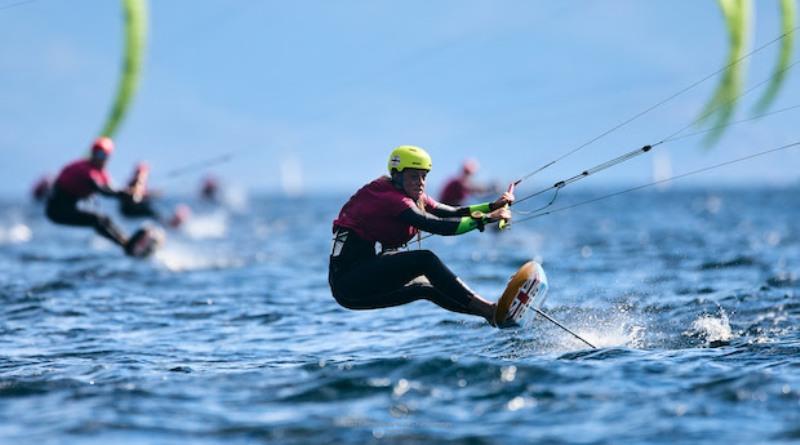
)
(662, 168)
(291, 176)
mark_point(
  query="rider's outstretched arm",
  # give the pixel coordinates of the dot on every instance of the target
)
(446, 211)
(107, 190)
(429, 222)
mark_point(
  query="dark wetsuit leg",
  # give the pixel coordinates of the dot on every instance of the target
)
(65, 211)
(383, 281)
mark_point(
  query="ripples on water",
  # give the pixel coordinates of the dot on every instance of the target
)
(230, 334)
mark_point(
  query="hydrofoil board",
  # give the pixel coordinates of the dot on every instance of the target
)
(526, 290)
(144, 242)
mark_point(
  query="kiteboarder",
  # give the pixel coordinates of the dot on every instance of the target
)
(209, 189)
(138, 202)
(391, 210)
(79, 180)
(41, 188)
(460, 187)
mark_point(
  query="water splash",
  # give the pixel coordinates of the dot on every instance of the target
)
(178, 258)
(618, 327)
(16, 234)
(711, 329)
(615, 327)
(212, 225)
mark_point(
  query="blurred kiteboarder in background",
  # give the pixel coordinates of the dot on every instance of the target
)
(460, 187)
(139, 202)
(41, 188)
(209, 189)
(83, 178)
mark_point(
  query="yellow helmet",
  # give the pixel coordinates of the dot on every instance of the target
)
(409, 156)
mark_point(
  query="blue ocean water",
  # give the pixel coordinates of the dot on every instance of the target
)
(230, 335)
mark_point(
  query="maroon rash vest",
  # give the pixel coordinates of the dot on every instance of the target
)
(77, 179)
(372, 213)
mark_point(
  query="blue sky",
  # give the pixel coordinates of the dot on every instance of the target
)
(329, 87)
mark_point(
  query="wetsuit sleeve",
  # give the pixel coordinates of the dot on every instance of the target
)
(446, 211)
(105, 189)
(440, 226)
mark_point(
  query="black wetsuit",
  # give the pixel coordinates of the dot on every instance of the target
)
(63, 209)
